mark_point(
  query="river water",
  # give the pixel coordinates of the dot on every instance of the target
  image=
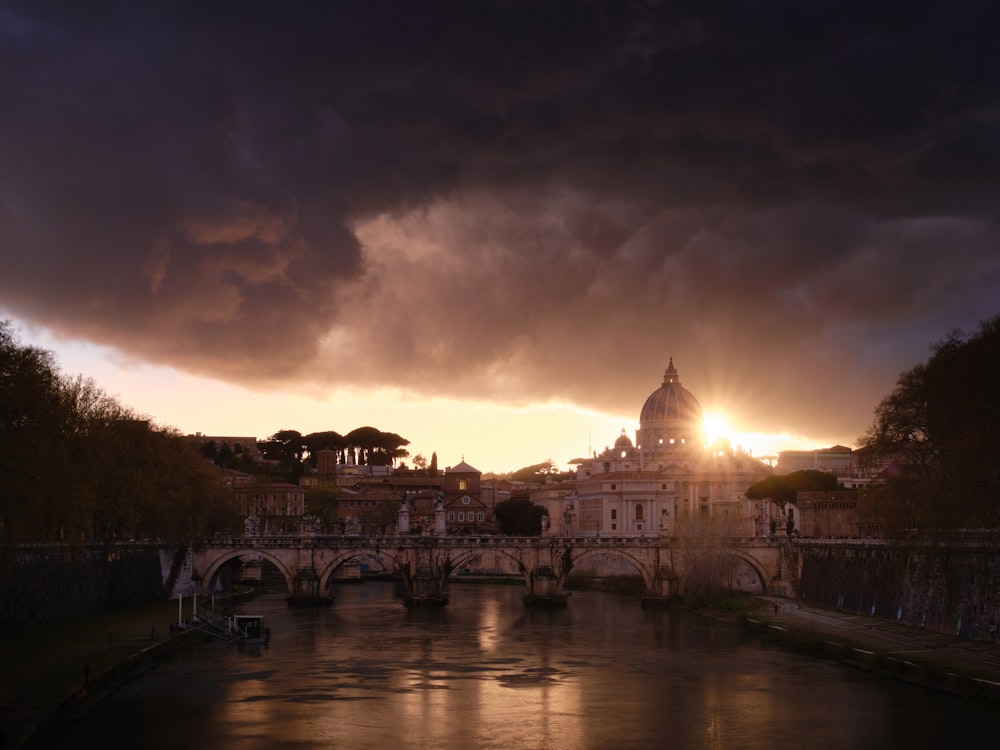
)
(484, 672)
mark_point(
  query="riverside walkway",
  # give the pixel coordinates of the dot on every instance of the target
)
(937, 660)
(43, 670)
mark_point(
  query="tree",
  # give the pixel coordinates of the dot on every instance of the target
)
(322, 503)
(327, 440)
(783, 489)
(210, 450)
(78, 466)
(287, 448)
(375, 448)
(35, 448)
(225, 457)
(541, 473)
(938, 435)
(519, 517)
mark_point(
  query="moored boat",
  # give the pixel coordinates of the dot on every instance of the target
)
(248, 629)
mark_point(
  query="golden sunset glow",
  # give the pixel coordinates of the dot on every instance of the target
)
(717, 426)
(422, 244)
(492, 436)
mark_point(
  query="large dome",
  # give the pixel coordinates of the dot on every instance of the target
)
(671, 414)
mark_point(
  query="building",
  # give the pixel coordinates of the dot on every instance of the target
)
(465, 510)
(665, 483)
(829, 514)
(371, 504)
(836, 460)
(271, 507)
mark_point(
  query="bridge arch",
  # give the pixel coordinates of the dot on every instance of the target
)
(326, 574)
(213, 568)
(714, 565)
(466, 556)
(648, 575)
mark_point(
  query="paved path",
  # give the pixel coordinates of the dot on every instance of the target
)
(943, 653)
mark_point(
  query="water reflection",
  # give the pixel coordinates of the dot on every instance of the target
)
(484, 672)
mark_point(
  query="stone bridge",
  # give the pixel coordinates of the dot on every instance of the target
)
(425, 563)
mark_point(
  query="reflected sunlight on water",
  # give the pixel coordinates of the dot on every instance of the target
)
(484, 672)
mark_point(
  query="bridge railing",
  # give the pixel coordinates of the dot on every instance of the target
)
(465, 541)
(452, 540)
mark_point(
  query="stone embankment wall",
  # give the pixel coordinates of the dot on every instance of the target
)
(50, 584)
(50, 731)
(945, 587)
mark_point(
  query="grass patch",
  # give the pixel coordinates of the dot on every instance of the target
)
(730, 606)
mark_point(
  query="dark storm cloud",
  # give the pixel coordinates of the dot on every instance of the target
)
(518, 200)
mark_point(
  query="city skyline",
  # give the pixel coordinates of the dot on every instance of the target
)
(488, 227)
(562, 433)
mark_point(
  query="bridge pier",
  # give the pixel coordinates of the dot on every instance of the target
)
(306, 591)
(425, 588)
(661, 592)
(425, 576)
(544, 588)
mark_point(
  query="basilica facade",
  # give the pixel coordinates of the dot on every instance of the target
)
(667, 482)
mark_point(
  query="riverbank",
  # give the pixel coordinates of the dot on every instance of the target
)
(934, 660)
(50, 672)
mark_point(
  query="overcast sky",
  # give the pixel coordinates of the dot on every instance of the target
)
(507, 203)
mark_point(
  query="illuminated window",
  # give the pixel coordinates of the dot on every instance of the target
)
(463, 485)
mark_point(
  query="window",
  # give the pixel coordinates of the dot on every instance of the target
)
(480, 515)
(638, 513)
(614, 514)
(451, 516)
(614, 527)
(463, 485)
(614, 486)
(461, 515)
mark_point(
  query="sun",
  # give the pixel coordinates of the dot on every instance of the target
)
(717, 425)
